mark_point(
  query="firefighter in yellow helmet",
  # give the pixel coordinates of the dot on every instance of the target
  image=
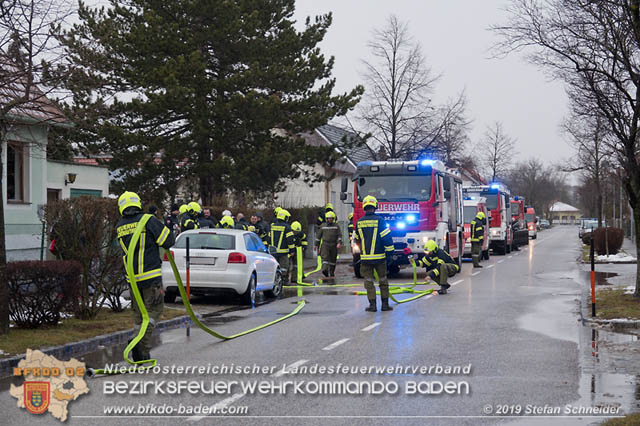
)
(281, 237)
(299, 240)
(146, 263)
(477, 238)
(190, 219)
(328, 242)
(439, 264)
(376, 247)
(226, 222)
(323, 213)
(350, 226)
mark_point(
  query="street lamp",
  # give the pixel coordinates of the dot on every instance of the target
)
(70, 178)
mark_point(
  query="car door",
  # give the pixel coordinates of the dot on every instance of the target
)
(265, 262)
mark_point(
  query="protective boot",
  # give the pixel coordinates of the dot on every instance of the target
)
(136, 353)
(385, 305)
(443, 288)
(372, 306)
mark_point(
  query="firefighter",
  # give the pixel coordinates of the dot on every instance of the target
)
(328, 242)
(477, 237)
(322, 214)
(241, 222)
(227, 222)
(299, 240)
(206, 220)
(350, 227)
(190, 219)
(439, 264)
(146, 264)
(171, 221)
(260, 227)
(281, 237)
(182, 214)
(376, 247)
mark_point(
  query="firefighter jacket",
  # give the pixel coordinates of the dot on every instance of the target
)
(330, 234)
(374, 239)
(477, 230)
(189, 222)
(172, 222)
(350, 229)
(242, 224)
(281, 237)
(300, 239)
(261, 228)
(433, 260)
(146, 255)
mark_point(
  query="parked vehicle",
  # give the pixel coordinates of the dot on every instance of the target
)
(499, 207)
(420, 201)
(544, 224)
(518, 222)
(532, 222)
(586, 226)
(473, 205)
(223, 259)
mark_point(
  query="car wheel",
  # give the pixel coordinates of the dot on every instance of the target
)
(394, 269)
(507, 247)
(277, 286)
(356, 265)
(170, 296)
(485, 254)
(249, 296)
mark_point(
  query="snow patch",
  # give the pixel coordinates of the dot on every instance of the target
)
(613, 258)
(629, 290)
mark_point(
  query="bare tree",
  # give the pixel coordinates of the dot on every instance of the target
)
(592, 46)
(396, 108)
(27, 48)
(496, 151)
(588, 135)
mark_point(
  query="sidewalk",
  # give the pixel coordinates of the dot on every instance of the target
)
(629, 247)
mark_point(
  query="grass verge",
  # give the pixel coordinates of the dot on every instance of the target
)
(612, 303)
(71, 330)
(630, 420)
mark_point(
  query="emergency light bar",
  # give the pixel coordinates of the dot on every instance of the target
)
(426, 163)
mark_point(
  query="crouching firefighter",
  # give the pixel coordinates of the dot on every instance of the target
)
(477, 237)
(440, 265)
(376, 247)
(146, 263)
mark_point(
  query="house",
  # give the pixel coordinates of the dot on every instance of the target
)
(301, 194)
(564, 214)
(29, 180)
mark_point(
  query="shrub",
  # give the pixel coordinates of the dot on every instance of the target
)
(39, 291)
(609, 237)
(84, 229)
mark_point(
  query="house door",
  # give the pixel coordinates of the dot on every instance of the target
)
(52, 195)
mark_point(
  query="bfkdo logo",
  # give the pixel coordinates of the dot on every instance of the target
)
(37, 396)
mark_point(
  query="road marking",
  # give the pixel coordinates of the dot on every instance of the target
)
(457, 282)
(490, 266)
(335, 344)
(509, 257)
(475, 273)
(372, 326)
(500, 261)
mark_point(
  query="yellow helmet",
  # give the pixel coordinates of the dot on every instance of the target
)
(183, 209)
(329, 206)
(330, 215)
(296, 226)
(431, 245)
(195, 207)
(277, 210)
(350, 216)
(370, 200)
(227, 222)
(252, 228)
(480, 215)
(283, 214)
(128, 199)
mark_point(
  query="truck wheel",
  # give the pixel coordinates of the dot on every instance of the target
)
(507, 247)
(394, 269)
(356, 266)
(485, 254)
(170, 296)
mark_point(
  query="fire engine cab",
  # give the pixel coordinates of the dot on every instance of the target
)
(498, 204)
(420, 201)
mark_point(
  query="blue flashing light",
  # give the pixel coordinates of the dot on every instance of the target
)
(411, 218)
(469, 198)
(426, 163)
(387, 225)
(365, 163)
(401, 225)
(495, 186)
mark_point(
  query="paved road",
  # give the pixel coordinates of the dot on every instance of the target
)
(515, 323)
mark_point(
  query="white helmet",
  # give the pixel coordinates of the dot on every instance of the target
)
(226, 213)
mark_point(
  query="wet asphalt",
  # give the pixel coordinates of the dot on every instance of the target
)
(516, 323)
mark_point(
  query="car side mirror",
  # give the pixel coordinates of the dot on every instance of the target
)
(344, 185)
(343, 196)
(436, 203)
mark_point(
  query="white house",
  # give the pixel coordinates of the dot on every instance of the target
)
(562, 213)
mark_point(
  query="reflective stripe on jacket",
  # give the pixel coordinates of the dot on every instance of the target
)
(374, 238)
(477, 231)
(281, 237)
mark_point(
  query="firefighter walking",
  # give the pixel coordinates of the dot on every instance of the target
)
(281, 237)
(477, 238)
(440, 265)
(376, 247)
(146, 263)
(299, 240)
(328, 242)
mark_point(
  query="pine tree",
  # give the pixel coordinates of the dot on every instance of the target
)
(215, 90)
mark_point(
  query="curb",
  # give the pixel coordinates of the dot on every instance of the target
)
(75, 349)
(616, 324)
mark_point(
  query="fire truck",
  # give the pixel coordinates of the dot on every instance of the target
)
(518, 222)
(472, 206)
(532, 222)
(499, 217)
(420, 201)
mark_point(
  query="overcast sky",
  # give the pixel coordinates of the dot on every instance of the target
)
(455, 39)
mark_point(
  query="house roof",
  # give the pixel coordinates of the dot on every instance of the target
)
(563, 207)
(335, 135)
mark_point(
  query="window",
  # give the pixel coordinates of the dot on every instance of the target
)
(207, 241)
(395, 188)
(251, 243)
(258, 242)
(15, 172)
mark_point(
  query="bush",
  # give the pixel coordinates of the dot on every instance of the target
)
(84, 229)
(609, 237)
(39, 291)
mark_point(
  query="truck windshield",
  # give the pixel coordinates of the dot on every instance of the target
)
(529, 217)
(395, 188)
(515, 209)
(469, 213)
(492, 200)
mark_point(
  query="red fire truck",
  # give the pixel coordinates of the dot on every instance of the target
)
(498, 205)
(519, 223)
(420, 201)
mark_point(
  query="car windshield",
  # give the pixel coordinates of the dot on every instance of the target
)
(530, 217)
(590, 224)
(469, 213)
(395, 188)
(207, 241)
